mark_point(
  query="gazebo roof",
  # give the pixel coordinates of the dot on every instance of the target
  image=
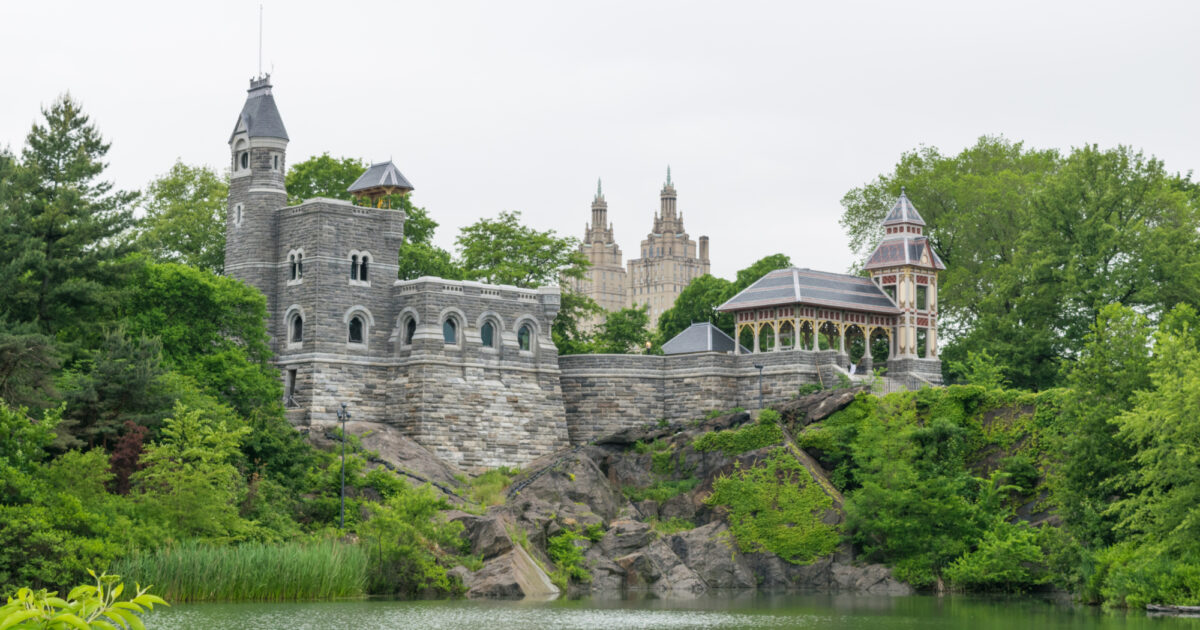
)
(784, 287)
(906, 250)
(380, 177)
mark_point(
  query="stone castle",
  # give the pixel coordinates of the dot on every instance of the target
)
(469, 370)
(669, 260)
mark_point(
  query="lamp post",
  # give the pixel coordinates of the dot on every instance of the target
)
(343, 415)
(759, 367)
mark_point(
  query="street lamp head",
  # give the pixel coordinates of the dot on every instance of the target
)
(758, 366)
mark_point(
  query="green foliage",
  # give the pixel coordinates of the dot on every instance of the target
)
(623, 332)
(503, 251)
(322, 176)
(488, 488)
(28, 360)
(567, 557)
(661, 490)
(777, 506)
(184, 218)
(810, 388)
(750, 437)
(410, 542)
(980, 369)
(700, 298)
(567, 330)
(196, 572)
(1008, 558)
(657, 446)
(86, 607)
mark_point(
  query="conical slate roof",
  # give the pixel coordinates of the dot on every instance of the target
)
(381, 175)
(260, 118)
(903, 212)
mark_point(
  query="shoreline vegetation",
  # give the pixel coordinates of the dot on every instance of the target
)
(142, 428)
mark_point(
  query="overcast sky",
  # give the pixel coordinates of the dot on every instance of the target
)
(767, 112)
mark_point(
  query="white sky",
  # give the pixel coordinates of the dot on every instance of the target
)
(767, 112)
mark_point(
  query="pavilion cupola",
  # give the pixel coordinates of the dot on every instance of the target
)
(904, 241)
(378, 183)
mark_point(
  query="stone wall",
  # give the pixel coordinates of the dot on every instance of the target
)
(607, 393)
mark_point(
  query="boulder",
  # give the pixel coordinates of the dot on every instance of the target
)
(681, 506)
(513, 575)
(711, 553)
(875, 579)
(576, 482)
(806, 410)
(403, 453)
(657, 568)
(487, 534)
(624, 537)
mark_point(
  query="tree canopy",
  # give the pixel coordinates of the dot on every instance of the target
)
(185, 217)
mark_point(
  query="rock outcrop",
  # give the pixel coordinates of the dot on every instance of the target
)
(672, 542)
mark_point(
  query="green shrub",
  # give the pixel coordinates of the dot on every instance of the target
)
(747, 438)
(810, 388)
(567, 558)
(192, 572)
(657, 446)
(672, 525)
(777, 506)
(1132, 575)
(86, 607)
(488, 488)
(1008, 558)
(661, 490)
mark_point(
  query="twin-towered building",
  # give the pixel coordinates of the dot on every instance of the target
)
(669, 259)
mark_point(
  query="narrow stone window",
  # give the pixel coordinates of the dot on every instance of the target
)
(299, 266)
(525, 337)
(237, 214)
(922, 297)
(487, 334)
(450, 332)
(410, 329)
(297, 329)
(276, 167)
(245, 160)
(356, 329)
(289, 389)
(362, 269)
(292, 261)
(354, 267)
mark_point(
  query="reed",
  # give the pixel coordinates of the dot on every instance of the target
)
(193, 572)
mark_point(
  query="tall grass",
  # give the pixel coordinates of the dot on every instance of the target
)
(193, 572)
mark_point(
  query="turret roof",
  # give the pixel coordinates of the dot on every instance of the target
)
(260, 117)
(903, 212)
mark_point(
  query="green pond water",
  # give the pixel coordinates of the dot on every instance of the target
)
(750, 610)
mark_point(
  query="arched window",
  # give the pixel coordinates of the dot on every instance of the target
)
(362, 270)
(487, 334)
(292, 261)
(237, 214)
(300, 266)
(354, 267)
(410, 329)
(276, 156)
(356, 329)
(525, 337)
(450, 331)
(244, 160)
(297, 335)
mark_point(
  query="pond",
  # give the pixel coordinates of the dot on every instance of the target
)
(743, 610)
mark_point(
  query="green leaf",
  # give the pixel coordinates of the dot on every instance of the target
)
(72, 620)
(18, 617)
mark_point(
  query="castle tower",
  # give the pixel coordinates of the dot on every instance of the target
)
(905, 266)
(258, 150)
(670, 259)
(605, 280)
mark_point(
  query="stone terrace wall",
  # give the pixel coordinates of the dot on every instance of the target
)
(604, 393)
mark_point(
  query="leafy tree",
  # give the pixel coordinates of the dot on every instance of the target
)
(62, 241)
(184, 222)
(411, 541)
(1035, 243)
(189, 480)
(211, 328)
(503, 251)
(322, 176)
(760, 268)
(697, 302)
(1115, 364)
(623, 332)
(567, 331)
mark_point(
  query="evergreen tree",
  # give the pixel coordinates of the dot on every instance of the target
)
(64, 227)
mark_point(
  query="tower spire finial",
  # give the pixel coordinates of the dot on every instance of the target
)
(599, 192)
(260, 24)
(668, 174)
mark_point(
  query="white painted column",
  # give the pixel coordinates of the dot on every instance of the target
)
(756, 346)
(775, 327)
(842, 338)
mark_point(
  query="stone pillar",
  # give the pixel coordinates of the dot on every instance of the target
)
(842, 338)
(757, 329)
(867, 343)
(737, 338)
(775, 327)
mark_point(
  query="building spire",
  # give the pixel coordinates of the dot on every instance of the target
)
(668, 174)
(599, 191)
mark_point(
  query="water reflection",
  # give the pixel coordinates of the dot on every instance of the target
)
(722, 610)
